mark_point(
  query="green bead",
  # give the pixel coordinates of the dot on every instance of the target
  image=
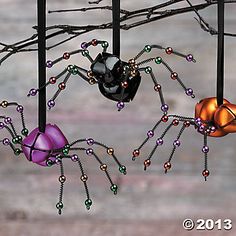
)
(15, 140)
(75, 71)
(65, 151)
(59, 205)
(88, 203)
(122, 169)
(17, 152)
(148, 69)
(25, 132)
(67, 146)
(49, 162)
(85, 53)
(70, 68)
(158, 60)
(19, 138)
(114, 188)
(105, 44)
(148, 48)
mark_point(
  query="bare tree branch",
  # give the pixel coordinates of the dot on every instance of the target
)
(139, 17)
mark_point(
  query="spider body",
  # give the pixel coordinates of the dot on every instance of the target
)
(222, 117)
(114, 81)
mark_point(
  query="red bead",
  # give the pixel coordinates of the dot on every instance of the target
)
(206, 173)
(136, 153)
(94, 42)
(174, 75)
(169, 50)
(167, 165)
(66, 55)
(125, 84)
(157, 87)
(164, 118)
(186, 124)
(62, 86)
(52, 80)
(147, 162)
(175, 122)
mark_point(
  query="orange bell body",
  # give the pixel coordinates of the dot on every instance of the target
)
(223, 117)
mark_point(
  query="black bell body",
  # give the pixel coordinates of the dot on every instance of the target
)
(108, 70)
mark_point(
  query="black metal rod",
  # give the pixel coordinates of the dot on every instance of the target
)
(41, 64)
(116, 27)
(220, 54)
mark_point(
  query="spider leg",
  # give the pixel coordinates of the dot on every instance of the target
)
(157, 88)
(205, 150)
(168, 50)
(95, 42)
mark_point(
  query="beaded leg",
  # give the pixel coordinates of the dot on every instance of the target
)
(8, 125)
(168, 50)
(157, 88)
(205, 150)
(95, 42)
(70, 70)
(62, 180)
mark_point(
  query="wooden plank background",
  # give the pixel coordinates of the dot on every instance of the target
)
(149, 203)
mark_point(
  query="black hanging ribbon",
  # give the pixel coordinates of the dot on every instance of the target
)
(220, 54)
(116, 27)
(41, 5)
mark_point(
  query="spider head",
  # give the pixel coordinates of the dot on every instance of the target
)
(108, 70)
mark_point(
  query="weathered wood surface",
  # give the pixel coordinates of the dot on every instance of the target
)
(149, 203)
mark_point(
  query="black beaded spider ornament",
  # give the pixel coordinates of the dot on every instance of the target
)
(51, 148)
(117, 80)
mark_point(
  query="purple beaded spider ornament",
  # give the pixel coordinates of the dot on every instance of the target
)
(51, 148)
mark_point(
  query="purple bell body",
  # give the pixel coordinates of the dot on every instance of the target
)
(37, 146)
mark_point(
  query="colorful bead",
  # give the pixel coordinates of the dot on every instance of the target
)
(206, 173)
(6, 141)
(175, 122)
(62, 86)
(150, 133)
(186, 124)
(174, 75)
(164, 107)
(114, 188)
(136, 153)
(17, 152)
(158, 60)
(8, 120)
(89, 151)
(169, 50)
(70, 68)
(213, 129)
(88, 203)
(32, 92)
(62, 179)
(167, 165)
(157, 87)
(83, 45)
(59, 205)
(125, 84)
(189, 57)
(51, 103)
(52, 80)
(85, 53)
(122, 169)
(4, 104)
(131, 61)
(84, 178)
(2, 125)
(147, 163)
(66, 55)
(189, 92)
(205, 149)
(103, 167)
(49, 64)
(94, 42)
(105, 44)
(90, 141)
(159, 141)
(120, 105)
(74, 157)
(110, 151)
(65, 151)
(148, 69)
(176, 143)
(147, 48)
(19, 108)
(164, 118)
(49, 162)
